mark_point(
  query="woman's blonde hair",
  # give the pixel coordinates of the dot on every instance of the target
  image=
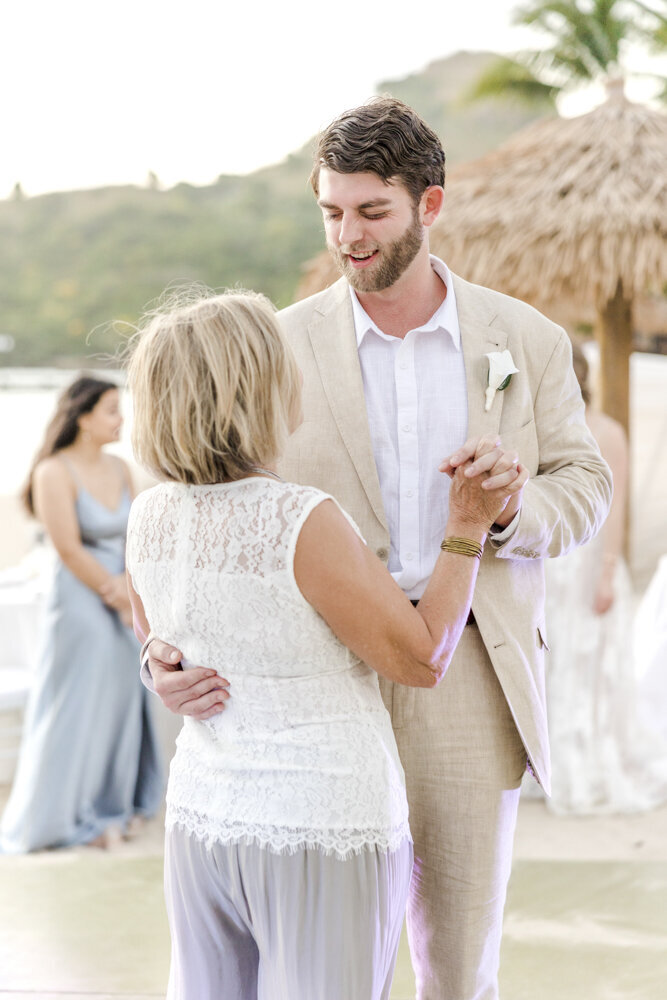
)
(215, 386)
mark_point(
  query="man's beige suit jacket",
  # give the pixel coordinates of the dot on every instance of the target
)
(540, 414)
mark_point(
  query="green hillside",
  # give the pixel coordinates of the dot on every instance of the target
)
(71, 263)
(467, 130)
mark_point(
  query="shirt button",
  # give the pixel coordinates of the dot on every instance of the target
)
(409, 493)
(409, 556)
(404, 365)
(406, 428)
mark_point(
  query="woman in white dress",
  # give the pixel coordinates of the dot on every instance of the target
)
(604, 759)
(288, 852)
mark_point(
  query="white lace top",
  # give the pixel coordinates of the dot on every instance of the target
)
(304, 753)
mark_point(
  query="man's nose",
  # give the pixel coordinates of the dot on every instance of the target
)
(350, 230)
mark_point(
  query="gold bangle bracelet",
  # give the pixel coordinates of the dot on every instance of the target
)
(461, 546)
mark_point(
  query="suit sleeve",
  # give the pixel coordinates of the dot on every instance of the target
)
(567, 502)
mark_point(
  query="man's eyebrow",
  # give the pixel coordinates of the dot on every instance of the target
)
(375, 203)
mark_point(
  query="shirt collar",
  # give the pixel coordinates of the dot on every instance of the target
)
(445, 317)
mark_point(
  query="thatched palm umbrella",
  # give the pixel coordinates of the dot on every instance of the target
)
(568, 207)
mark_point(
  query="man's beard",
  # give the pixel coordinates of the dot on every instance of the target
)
(396, 258)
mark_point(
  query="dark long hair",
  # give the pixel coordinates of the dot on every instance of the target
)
(78, 398)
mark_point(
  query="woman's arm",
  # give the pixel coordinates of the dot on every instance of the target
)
(54, 499)
(414, 646)
(613, 446)
(139, 620)
(115, 592)
(352, 590)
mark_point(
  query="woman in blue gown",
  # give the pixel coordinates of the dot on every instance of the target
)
(89, 760)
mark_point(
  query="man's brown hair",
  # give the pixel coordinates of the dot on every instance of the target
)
(384, 137)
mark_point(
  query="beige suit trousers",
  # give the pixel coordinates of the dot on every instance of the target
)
(463, 761)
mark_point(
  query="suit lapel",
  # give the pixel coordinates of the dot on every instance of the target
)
(478, 337)
(334, 344)
(332, 336)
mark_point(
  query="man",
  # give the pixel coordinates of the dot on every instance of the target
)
(397, 377)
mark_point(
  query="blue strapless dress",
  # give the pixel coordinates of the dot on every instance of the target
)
(89, 756)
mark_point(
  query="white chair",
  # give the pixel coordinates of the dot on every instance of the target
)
(14, 688)
(22, 592)
(650, 649)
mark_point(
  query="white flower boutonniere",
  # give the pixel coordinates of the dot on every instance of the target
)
(501, 369)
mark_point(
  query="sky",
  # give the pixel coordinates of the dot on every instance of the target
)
(98, 92)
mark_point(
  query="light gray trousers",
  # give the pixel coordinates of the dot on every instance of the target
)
(247, 924)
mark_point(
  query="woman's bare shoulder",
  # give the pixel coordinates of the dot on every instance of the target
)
(51, 470)
(604, 428)
(609, 434)
(53, 486)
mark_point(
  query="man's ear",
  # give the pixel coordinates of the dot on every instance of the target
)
(431, 204)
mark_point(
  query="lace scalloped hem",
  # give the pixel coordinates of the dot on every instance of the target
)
(340, 844)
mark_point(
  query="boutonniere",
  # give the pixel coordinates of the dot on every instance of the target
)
(501, 369)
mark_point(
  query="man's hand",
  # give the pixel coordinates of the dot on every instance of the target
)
(199, 692)
(488, 455)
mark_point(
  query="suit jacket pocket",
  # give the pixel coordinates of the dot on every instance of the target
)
(523, 439)
(542, 637)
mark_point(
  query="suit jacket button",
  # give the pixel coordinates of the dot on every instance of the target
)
(382, 554)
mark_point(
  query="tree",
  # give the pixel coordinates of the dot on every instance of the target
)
(589, 43)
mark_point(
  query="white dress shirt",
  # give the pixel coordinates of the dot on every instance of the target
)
(417, 407)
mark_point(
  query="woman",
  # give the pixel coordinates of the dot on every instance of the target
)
(604, 759)
(288, 852)
(88, 762)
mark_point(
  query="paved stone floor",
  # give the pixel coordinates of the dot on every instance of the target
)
(586, 916)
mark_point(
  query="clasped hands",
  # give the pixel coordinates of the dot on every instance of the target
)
(201, 693)
(500, 466)
(114, 594)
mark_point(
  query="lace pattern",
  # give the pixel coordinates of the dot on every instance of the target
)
(342, 844)
(304, 753)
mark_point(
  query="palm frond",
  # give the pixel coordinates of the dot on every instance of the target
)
(650, 26)
(602, 34)
(541, 12)
(661, 83)
(590, 36)
(572, 65)
(650, 10)
(507, 76)
(586, 41)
